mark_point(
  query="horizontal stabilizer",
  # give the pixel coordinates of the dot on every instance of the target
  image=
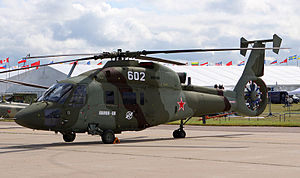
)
(276, 44)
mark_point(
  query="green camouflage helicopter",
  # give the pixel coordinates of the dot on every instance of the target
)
(128, 95)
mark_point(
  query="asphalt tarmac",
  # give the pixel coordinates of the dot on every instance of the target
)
(206, 152)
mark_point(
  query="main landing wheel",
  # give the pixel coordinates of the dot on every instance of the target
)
(179, 133)
(69, 137)
(108, 137)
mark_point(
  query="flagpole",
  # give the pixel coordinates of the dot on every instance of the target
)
(8, 68)
(6, 83)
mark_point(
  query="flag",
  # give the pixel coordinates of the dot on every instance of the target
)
(241, 63)
(35, 64)
(229, 63)
(295, 56)
(88, 63)
(291, 58)
(6, 60)
(3, 67)
(285, 61)
(21, 61)
(100, 63)
(195, 63)
(74, 62)
(274, 62)
(219, 63)
(25, 66)
(204, 64)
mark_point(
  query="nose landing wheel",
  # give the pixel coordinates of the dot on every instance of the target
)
(69, 137)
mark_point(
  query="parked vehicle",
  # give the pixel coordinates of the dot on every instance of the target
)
(278, 97)
(295, 99)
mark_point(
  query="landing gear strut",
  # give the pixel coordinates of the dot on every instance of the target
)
(69, 137)
(180, 133)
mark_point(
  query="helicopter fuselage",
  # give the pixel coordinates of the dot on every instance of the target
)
(121, 96)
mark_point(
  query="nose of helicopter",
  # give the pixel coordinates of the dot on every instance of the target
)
(24, 118)
(29, 117)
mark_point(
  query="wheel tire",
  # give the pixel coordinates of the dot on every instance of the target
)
(69, 137)
(108, 137)
(179, 133)
(182, 134)
(176, 134)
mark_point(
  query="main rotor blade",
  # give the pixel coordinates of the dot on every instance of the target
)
(203, 50)
(73, 60)
(61, 55)
(23, 83)
(159, 60)
(134, 54)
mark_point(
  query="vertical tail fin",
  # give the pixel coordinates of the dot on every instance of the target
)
(251, 91)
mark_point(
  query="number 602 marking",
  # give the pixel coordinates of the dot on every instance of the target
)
(138, 76)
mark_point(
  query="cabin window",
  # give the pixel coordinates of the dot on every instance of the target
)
(79, 96)
(109, 97)
(129, 98)
(142, 100)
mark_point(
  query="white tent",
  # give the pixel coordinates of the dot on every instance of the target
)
(295, 92)
(280, 77)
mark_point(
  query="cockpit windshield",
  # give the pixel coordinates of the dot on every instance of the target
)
(57, 93)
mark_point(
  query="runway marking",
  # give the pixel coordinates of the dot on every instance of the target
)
(4, 128)
(42, 147)
(145, 155)
(184, 158)
(26, 133)
(137, 139)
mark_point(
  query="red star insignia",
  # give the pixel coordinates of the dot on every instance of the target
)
(181, 104)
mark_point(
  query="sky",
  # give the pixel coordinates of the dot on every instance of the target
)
(78, 26)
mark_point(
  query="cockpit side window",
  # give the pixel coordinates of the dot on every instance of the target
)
(57, 93)
(79, 96)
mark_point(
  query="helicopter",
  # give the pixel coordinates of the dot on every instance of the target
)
(127, 94)
(9, 105)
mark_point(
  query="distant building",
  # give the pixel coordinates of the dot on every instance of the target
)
(45, 76)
